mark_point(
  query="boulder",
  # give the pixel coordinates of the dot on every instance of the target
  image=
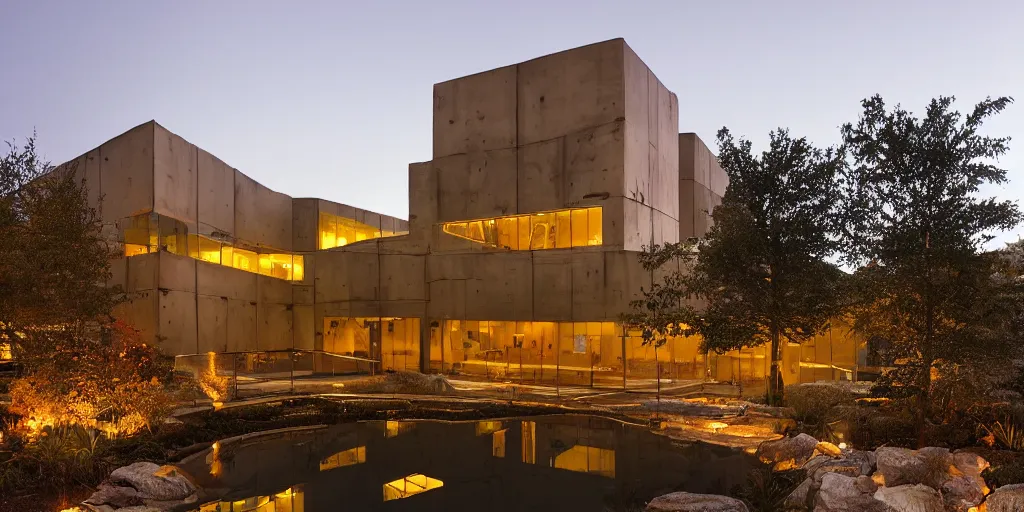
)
(799, 499)
(839, 466)
(827, 448)
(788, 452)
(910, 498)
(1008, 498)
(841, 493)
(899, 466)
(689, 502)
(961, 493)
(153, 482)
(141, 487)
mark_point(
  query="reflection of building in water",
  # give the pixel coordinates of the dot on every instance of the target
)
(546, 180)
(344, 458)
(410, 486)
(289, 500)
(587, 459)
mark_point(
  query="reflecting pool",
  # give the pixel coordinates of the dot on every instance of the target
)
(538, 463)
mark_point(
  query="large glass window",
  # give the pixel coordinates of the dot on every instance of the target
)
(337, 231)
(563, 229)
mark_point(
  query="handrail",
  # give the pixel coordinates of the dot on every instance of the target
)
(287, 350)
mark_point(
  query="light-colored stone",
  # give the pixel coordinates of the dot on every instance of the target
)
(1008, 498)
(788, 452)
(827, 448)
(910, 498)
(153, 482)
(841, 493)
(689, 502)
(798, 499)
(900, 466)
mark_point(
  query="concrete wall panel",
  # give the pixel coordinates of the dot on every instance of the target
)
(175, 177)
(402, 277)
(140, 311)
(221, 281)
(89, 170)
(262, 216)
(303, 328)
(241, 325)
(588, 284)
(475, 113)
(213, 324)
(447, 299)
(177, 272)
(126, 173)
(216, 193)
(143, 272)
(305, 225)
(624, 278)
(501, 287)
(274, 329)
(273, 291)
(118, 273)
(594, 162)
(541, 176)
(571, 91)
(331, 273)
(404, 308)
(477, 185)
(302, 294)
(422, 199)
(552, 286)
(177, 327)
(686, 209)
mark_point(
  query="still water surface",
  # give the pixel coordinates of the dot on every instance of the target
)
(536, 464)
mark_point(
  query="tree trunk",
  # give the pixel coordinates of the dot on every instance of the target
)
(775, 384)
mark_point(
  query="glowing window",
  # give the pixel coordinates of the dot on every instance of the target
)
(244, 260)
(140, 236)
(297, 268)
(410, 486)
(209, 250)
(344, 458)
(574, 227)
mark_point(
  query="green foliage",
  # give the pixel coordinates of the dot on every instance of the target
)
(766, 490)
(915, 223)
(63, 456)
(662, 312)
(812, 402)
(1006, 434)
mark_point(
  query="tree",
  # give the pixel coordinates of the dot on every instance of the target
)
(54, 261)
(761, 269)
(917, 225)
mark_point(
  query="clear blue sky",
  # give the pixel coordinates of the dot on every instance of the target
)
(333, 99)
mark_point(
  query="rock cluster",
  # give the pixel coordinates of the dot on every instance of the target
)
(886, 480)
(143, 487)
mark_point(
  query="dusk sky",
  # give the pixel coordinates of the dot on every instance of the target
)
(333, 99)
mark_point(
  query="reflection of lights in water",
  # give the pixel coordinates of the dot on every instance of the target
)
(487, 427)
(391, 429)
(213, 459)
(587, 459)
(498, 443)
(715, 426)
(349, 457)
(410, 486)
(291, 499)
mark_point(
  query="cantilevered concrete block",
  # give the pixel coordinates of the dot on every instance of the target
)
(126, 173)
(477, 185)
(625, 277)
(213, 324)
(216, 193)
(718, 178)
(571, 91)
(552, 286)
(475, 113)
(694, 159)
(447, 299)
(177, 272)
(262, 216)
(175, 176)
(687, 209)
(177, 327)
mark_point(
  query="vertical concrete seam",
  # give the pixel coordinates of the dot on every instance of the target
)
(195, 263)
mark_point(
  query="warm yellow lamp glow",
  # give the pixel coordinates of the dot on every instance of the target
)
(410, 486)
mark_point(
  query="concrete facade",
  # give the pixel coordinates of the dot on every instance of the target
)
(588, 134)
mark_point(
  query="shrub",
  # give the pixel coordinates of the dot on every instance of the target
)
(111, 380)
(1004, 472)
(811, 402)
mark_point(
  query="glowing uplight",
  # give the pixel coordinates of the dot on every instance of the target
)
(213, 459)
(715, 426)
(842, 446)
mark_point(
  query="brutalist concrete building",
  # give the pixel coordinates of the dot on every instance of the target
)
(517, 260)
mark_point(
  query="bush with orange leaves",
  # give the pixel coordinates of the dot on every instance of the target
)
(103, 376)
